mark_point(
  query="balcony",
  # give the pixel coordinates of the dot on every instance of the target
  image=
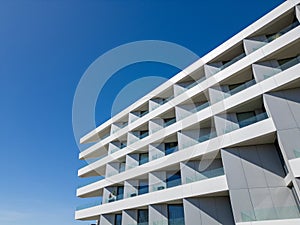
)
(288, 64)
(143, 134)
(246, 122)
(229, 63)
(168, 122)
(205, 175)
(162, 101)
(273, 37)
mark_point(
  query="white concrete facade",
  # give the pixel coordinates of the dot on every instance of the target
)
(216, 144)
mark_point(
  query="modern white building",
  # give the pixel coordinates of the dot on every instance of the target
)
(219, 143)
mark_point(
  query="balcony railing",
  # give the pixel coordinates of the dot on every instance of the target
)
(173, 183)
(282, 32)
(175, 221)
(88, 205)
(232, 61)
(205, 175)
(115, 198)
(201, 139)
(283, 67)
(192, 84)
(246, 122)
(163, 101)
(168, 123)
(171, 150)
(275, 213)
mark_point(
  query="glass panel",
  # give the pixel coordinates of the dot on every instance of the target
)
(175, 214)
(143, 187)
(275, 213)
(240, 87)
(237, 58)
(174, 180)
(292, 62)
(205, 175)
(118, 219)
(142, 216)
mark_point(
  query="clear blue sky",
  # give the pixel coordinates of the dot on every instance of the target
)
(45, 47)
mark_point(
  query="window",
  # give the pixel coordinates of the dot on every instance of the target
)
(175, 214)
(142, 216)
(143, 133)
(143, 158)
(246, 118)
(170, 147)
(118, 219)
(122, 167)
(120, 191)
(143, 187)
(174, 179)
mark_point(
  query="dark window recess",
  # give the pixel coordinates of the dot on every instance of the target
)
(118, 219)
(175, 214)
(170, 147)
(233, 86)
(142, 216)
(143, 158)
(246, 118)
(174, 180)
(282, 162)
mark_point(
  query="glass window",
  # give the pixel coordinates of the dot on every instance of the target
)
(246, 118)
(175, 214)
(118, 219)
(143, 158)
(170, 147)
(122, 167)
(143, 187)
(142, 216)
(174, 179)
(120, 191)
